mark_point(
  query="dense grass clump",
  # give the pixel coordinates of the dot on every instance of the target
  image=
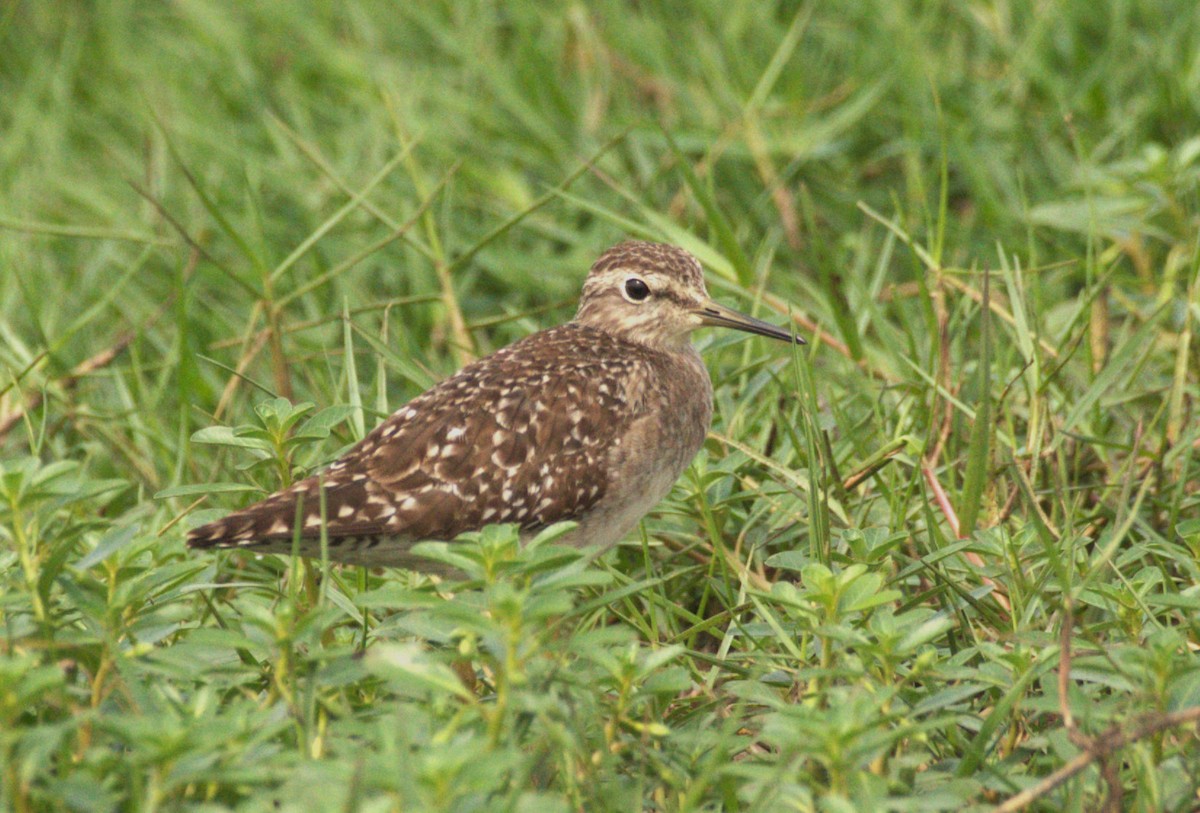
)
(945, 557)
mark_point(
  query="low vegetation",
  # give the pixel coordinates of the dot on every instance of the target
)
(944, 557)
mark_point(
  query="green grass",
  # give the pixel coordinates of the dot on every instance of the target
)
(983, 215)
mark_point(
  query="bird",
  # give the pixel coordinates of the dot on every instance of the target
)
(591, 421)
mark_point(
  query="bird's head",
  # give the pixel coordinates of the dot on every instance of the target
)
(654, 294)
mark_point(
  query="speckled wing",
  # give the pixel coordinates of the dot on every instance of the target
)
(521, 436)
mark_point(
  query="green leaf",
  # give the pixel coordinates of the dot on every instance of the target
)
(979, 454)
(320, 425)
(353, 395)
(202, 489)
(874, 600)
(110, 543)
(414, 670)
(226, 436)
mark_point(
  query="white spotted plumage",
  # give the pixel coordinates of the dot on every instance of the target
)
(590, 421)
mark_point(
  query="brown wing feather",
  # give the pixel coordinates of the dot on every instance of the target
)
(520, 436)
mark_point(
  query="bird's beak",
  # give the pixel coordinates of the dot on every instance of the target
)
(715, 315)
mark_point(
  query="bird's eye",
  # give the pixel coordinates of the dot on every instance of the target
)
(636, 290)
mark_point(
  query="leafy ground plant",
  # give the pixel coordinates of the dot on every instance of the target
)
(942, 558)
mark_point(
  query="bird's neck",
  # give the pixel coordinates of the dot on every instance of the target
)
(642, 335)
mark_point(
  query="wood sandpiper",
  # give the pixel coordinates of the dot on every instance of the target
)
(591, 421)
